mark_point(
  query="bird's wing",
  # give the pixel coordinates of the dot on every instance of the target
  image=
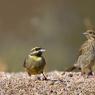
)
(27, 62)
(82, 48)
(79, 53)
(24, 64)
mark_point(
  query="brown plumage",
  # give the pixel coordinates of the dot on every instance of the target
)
(86, 58)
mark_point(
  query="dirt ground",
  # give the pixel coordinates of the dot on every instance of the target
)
(58, 83)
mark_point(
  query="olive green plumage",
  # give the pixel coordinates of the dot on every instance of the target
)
(34, 63)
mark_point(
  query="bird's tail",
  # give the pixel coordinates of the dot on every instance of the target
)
(71, 68)
(24, 64)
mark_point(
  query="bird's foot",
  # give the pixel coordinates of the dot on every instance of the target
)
(42, 78)
(87, 75)
(90, 75)
(45, 78)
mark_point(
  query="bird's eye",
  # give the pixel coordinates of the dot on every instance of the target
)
(90, 32)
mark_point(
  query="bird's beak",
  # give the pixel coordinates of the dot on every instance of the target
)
(31, 50)
(85, 33)
(42, 50)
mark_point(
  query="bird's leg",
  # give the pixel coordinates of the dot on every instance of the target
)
(89, 74)
(82, 71)
(89, 66)
(90, 71)
(44, 76)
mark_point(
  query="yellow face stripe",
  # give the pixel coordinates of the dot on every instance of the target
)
(34, 48)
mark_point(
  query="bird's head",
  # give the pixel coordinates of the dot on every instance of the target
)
(90, 34)
(37, 51)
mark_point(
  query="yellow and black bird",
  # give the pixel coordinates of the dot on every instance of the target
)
(34, 63)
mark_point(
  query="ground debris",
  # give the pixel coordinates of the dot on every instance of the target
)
(69, 83)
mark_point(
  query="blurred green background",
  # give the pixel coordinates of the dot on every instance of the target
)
(56, 25)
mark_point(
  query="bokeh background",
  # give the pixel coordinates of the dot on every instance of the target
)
(56, 25)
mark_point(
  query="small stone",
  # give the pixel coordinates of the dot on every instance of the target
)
(70, 75)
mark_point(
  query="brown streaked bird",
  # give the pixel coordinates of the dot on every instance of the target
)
(34, 63)
(86, 58)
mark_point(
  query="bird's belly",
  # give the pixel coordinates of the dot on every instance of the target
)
(85, 59)
(34, 71)
(36, 68)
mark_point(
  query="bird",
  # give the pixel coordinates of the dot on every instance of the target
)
(34, 63)
(86, 57)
